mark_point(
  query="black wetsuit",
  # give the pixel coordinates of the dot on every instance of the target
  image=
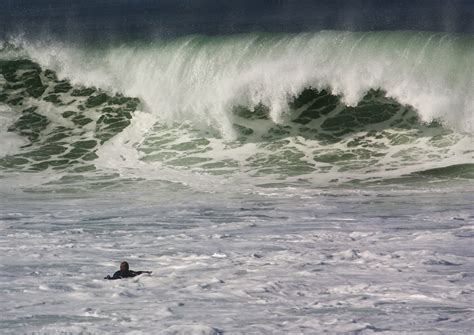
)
(125, 274)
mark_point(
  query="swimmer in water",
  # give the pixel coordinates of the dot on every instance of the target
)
(125, 272)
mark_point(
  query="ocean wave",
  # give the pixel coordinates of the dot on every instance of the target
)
(348, 106)
(199, 78)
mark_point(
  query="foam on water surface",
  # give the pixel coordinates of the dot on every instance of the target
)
(371, 261)
(83, 130)
(273, 183)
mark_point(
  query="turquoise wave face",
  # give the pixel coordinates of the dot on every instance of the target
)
(63, 125)
(319, 136)
(200, 79)
(66, 128)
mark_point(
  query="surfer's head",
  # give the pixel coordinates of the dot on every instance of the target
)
(124, 266)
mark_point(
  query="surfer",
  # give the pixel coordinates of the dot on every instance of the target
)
(125, 272)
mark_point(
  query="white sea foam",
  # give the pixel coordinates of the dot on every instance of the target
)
(342, 261)
(200, 78)
(11, 142)
(239, 254)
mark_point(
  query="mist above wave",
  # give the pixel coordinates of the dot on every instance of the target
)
(323, 106)
(200, 78)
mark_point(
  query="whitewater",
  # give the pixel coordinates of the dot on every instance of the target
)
(274, 182)
(200, 78)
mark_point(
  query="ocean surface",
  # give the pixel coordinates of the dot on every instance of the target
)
(281, 166)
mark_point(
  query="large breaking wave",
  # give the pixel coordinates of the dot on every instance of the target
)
(328, 106)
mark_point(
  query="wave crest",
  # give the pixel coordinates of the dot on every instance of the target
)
(235, 105)
(200, 78)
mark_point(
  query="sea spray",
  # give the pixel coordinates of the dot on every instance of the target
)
(200, 78)
(323, 107)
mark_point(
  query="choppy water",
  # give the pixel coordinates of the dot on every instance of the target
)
(351, 106)
(335, 261)
(275, 177)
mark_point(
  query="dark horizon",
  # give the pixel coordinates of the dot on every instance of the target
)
(144, 18)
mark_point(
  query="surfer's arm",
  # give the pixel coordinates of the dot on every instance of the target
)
(114, 277)
(141, 272)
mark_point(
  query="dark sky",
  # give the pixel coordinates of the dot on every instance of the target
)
(142, 18)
